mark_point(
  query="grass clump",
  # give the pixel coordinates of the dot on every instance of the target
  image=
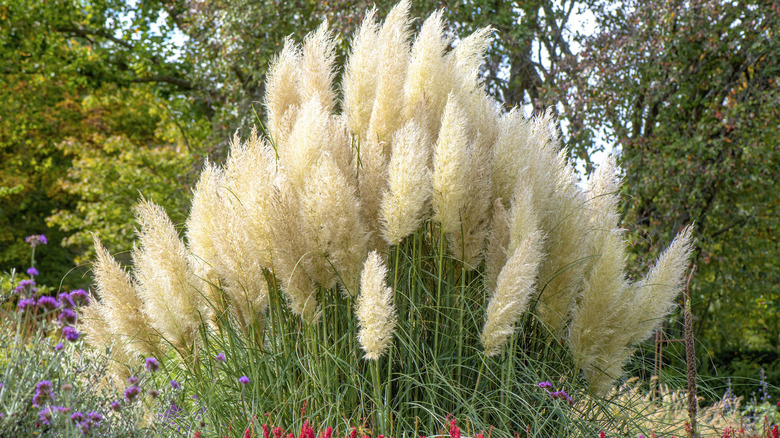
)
(408, 252)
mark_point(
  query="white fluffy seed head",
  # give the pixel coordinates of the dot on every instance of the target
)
(375, 309)
(514, 288)
(406, 200)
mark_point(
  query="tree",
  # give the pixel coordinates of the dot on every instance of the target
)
(78, 79)
(688, 92)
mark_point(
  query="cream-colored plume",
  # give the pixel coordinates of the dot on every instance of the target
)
(372, 182)
(293, 251)
(654, 295)
(450, 168)
(514, 288)
(497, 245)
(242, 235)
(318, 68)
(310, 137)
(407, 197)
(393, 57)
(120, 305)
(331, 215)
(375, 309)
(428, 81)
(282, 96)
(167, 284)
(99, 335)
(360, 79)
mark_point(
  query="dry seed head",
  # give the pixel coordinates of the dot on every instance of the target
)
(428, 81)
(360, 79)
(372, 182)
(375, 309)
(120, 304)
(654, 295)
(405, 202)
(331, 215)
(514, 288)
(393, 55)
(203, 219)
(497, 245)
(167, 284)
(308, 140)
(450, 168)
(318, 68)
(282, 98)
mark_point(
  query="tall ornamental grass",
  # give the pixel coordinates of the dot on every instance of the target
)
(395, 248)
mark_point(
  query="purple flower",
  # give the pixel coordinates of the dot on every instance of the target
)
(67, 316)
(174, 384)
(561, 395)
(32, 271)
(131, 393)
(220, 357)
(116, 406)
(545, 385)
(79, 297)
(70, 333)
(77, 417)
(47, 302)
(26, 303)
(36, 239)
(95, 417)
(45, 416)
(65, 301)
(59, 346)
(44, 386)
(152, 364)
(133, 380)
(243, 380)
(43, 391)
(154, 393)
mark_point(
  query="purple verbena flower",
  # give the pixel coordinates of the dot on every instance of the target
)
(36, 239)
(152, 365)
(59, 346)
(116, 406)
(220, 357)
(95, 417)
(174, 384)
(65, 301)
(154, 393)
(67, 316)
(79, 297)
(545, 385)
(243, 380)
(26, 303)
(77, 417)
(32, 271)
(44, 386)
(47, 302)
(45, 416)
(133, 380)
(70, 333)
(131, 393)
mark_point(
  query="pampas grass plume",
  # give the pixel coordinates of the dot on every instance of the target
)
(409, 184)
(514, 288)
(166, 282)
(375, 309)
(120, 305)
(450, 168)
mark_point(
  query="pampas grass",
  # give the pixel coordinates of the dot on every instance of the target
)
(446, 238)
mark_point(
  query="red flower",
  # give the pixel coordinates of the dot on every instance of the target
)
(247, 433)
(602, 434)
(197, 435)
(454, 430)
(328, 432)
